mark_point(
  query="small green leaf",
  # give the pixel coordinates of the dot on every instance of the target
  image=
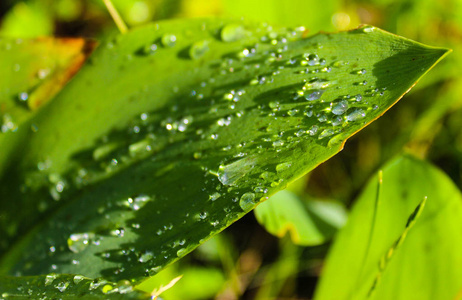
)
(309, 224)
(398, 254)
(153, 148)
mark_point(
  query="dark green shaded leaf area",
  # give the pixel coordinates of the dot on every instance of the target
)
(55, 286)
(172, 132)
(388, 251)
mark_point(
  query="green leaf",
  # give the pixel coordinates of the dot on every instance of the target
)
(27, 20)
(196, 283)
(308, 222)
(380, 255)
(175, 130)
(57, 286)
(32, 72)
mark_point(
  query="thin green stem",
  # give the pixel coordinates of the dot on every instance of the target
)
(116, 16)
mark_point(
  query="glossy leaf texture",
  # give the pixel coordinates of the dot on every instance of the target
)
(56, 286)
(308, 222)
(427, 263)
(175, 130)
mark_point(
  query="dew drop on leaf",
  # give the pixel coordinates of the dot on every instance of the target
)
(283, 166)
(232, 33)
(168, 40)
(181, 252)
(355, 115)
(77, 242)
(325, 133)
(198, 49)
(315, 95)
(247, 201)
(340, 107)
(62, 286)
(49, 279)
(78, 278)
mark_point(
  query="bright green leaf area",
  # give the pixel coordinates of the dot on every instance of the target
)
(26, 20)
(175, 130)
(308, 222)
(195, 283)
(428, 262)
(55, 286)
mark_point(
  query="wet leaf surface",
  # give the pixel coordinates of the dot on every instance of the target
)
(174, 131)
(56, 286)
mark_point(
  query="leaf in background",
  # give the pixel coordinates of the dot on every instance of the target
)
(308, 222)
(175, 130)
(27, 20)
(33, 71)
(196, 283)
(55, 286)
(314, 15)
(428, 263)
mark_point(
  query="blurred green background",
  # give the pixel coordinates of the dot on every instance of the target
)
(245, 261)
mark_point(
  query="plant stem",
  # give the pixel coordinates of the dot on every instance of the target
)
(116, 16)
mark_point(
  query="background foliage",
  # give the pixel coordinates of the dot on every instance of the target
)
(246, 260)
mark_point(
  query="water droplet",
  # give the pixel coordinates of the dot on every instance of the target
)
(182, 252)
(247, 201)
(278, 143)
(23, 96)
(355, 115)
(315, 95)
(361, 72)
(312, 59)
(340, 107)
(138, 202)
(150, 49)
(168, 40)
(78, 278)
(313, 130)
(203, 215)
(198, 49)
(145, 257)
(50, 278)
(214, 196)
(78, 242)
(358, 98)
(322, 118)
(43, 73)
(337, 120)
(232, 32)
(367, 29)
(231, 173)
(326, 133)
(119, 232)
(62, 286)
(283, 167)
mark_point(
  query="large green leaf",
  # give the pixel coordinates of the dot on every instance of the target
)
(427, 264)
(175, 130)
